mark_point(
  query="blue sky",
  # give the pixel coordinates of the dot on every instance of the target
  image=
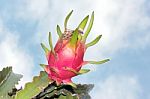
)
(125, 26)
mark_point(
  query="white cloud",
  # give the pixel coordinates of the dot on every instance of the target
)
(117, 87)
(118, 21)
(13, 54)
(33, 10)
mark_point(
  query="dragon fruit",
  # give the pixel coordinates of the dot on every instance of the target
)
(65, 60)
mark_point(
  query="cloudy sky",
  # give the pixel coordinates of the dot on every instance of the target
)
(124, 24)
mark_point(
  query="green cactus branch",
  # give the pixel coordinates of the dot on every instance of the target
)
(8, 80)
(52, 91)
(33, 88)
(40, 88)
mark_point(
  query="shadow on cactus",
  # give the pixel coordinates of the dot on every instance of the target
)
(65, 60)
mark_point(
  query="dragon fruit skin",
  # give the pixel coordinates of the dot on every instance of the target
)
(65, 60)
(67, 57)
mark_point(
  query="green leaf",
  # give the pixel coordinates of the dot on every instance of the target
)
(33, 88)
(83, 23)
(43, 66)
(88, 28)
(8, 80)
(46, 50)
(94, 41)
(66, 19)
(50, 43)
(99, 62)
(74, 37)
(59, 31)
(83, 71)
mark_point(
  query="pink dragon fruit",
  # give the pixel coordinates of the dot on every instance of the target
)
(65, 60)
